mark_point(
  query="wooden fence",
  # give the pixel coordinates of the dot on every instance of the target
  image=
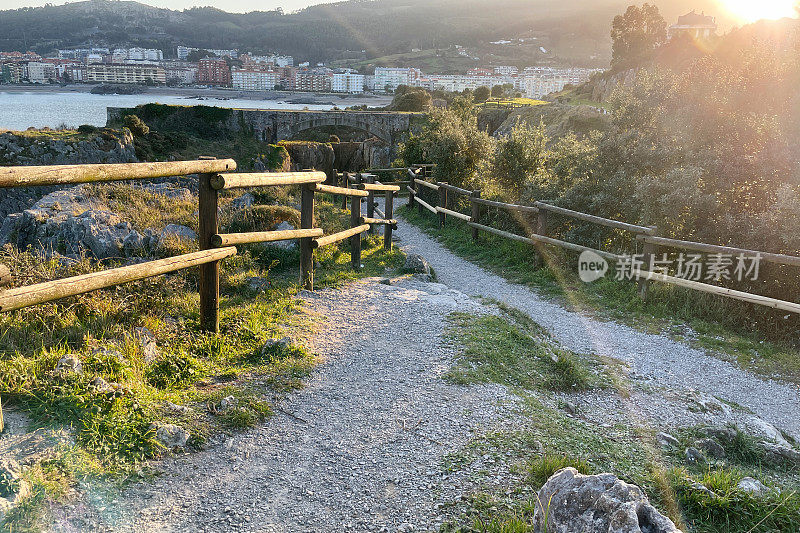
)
(214, 175)
(537, 217)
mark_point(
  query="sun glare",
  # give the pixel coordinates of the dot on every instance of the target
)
(752, 10)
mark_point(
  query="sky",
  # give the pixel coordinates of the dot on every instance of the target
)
(241, 6)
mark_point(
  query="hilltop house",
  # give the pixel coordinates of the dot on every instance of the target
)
(697, 26)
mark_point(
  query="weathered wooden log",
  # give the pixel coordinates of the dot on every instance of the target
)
(17, 298)
(442, 204)
(781, 259)
(378, 187)
(424, 183)
(232, 239)
(476, 212)
(355, 240)
(306, 243)
(453, 188)
(594, 219)
(339, 190)
(454, 214)
(208, 285)
(426, 205)
(342, 235)
(533, 239)
(379, 221)
(502, 205)
(68, 174)
(722, 291)
(387, 230)
(649, 250)
(266, 179)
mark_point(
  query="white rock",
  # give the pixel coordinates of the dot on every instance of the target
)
(752, 486)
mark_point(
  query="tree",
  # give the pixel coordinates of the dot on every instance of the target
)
(636, 35)
(411, 99)
(519, 157)
(482, 94)
(497, 91)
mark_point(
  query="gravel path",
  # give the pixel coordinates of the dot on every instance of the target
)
(657, 358)
(359, 449)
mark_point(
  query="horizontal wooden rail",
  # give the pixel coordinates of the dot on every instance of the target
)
(533, 239)
(48, 291)
(713, 248)
(384, 221)
(336, 237)
(413, 175)
(722, 291)
(231, 239)
(596, 220)
(266, 179)
(454, 214)
(426, 184)
(508, 207)
(380, 213)
(396, 169)
(424, 204)
(379, 187)
(71, 174)
(341, 191)
(454, 189)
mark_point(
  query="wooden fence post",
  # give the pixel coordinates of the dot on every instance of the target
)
(209, 273)
(355, 240)
(411, 193)
(419, 188)
(389, 213)
(306, 249)
(371, 203)
(442, 203)
(476, 213)
(649, 251)
(5, 280)
(346, 185)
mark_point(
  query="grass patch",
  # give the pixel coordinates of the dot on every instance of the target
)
(728, 329)
(499, 349)
(104, 331)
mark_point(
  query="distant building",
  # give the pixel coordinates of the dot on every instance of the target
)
(184, 51)
(315, 81)
(388, 79)
(214, 72)
(697, 26)
(11, 72)
(347, 82)
(539, 82)
(181, 74)
(138, 74)
(40, 72)
(253, 78)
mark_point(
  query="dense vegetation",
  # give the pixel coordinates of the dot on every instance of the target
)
(329, 31)
(704, 150)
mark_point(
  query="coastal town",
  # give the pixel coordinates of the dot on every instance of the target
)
(242, 71)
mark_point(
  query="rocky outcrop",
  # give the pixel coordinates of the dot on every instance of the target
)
(304, 155)
(38, 148)
(68, 223)
(571, 503)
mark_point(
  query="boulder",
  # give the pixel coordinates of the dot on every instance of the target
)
(100, 385)
(666, 440)
(176, 231)
(172, 436)
(147, 341)
(762, 429)
(69, 364)
(416, 264)
(245, 201)
(576, 503)
(693, 456)
(775, 453)
(228, 402)
(711, 448)
(752, 486)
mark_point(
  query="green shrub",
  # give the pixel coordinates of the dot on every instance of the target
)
(87, 129)
(263, 218)
(173, 371)
(136, 125)
(541, 468)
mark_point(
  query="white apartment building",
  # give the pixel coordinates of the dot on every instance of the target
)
(347, 82)
(38, 72)
(138, 74)
(460, 82)
(254, 79)
(120, 55)
(183, 75)
(539, 82)
(184, 51)
(388, 79)
(278, 61)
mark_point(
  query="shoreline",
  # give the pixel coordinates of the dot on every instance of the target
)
(219, 94)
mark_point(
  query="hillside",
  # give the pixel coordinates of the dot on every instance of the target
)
(567, 29)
